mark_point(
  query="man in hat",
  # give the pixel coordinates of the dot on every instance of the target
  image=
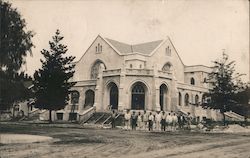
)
(133, 120)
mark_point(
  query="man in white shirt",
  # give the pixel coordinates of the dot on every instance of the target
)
(158, 117)
(145, 119)
(127, 117)
(175, 120)
(169, 121)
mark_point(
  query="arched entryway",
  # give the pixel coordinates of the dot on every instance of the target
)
(180, 99)
(163, 96)
(113, 95)
(138, 94)
(186, 99)
(89, 98)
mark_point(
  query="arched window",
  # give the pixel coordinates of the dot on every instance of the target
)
(205, 80)
(196, 100)
(168, 51)
(163, 93)
(131, 66)
(75, 97)
(186, 99)
(89, 98)
(96, 68)
(167, 67)
(98, 48)
(138, 89)
(180, 103)
(138, 97)
(113, 95)
(192, 81)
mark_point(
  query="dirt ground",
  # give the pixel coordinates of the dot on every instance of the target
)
(77, 141)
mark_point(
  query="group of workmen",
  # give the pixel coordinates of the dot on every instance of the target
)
(158, 121)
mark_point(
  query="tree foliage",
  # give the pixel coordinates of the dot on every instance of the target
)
(242, 105)
(52, 86)
(226, 86)
(15, 41)
(15, 45)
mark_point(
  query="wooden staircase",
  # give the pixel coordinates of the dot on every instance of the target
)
(104, 119)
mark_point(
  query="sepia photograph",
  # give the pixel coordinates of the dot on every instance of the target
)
(124, 79)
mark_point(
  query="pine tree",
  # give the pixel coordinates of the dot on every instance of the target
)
(52, 86)
(15, 45)
(226, 85)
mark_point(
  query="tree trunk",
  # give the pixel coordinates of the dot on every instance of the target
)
(224, 118)
(28, 111)
(50, 116)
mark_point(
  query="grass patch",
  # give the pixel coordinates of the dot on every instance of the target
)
(2, 144)
(78, 141)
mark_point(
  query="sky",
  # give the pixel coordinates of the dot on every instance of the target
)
(199, 29)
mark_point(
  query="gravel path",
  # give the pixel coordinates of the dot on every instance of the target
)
(99, 143)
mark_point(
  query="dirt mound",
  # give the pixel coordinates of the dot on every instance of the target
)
(22, 138)
(236, 129)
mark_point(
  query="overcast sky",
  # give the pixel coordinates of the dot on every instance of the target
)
(199, 29)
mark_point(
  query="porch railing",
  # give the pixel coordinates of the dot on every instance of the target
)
(85, 115)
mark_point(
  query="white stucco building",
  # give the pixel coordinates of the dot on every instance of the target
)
(147, 76)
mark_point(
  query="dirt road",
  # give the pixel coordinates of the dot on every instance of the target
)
(97, 143)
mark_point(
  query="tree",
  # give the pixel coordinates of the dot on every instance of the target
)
(52, 86)
(15, 44)
(242, 105)
(225, 86)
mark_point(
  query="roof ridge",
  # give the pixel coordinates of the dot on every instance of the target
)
(144, 48)
(135, 43)
(148, 42)
(117, 41)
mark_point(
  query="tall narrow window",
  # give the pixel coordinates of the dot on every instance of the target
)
(186, 99)
(205, 80)
(138, 97)
(180, 99)
(192, 81)
(196, 100)
(89, 98)
(113, 95)
(98, 48)
(168, 51)
(163, 93)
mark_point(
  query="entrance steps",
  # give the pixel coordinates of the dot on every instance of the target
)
(104, 119)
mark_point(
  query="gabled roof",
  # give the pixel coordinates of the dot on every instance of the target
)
(144, 48)
(121, 47)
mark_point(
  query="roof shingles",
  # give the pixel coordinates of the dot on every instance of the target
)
(144, 48)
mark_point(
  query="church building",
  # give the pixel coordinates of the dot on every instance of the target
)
(147, 76)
